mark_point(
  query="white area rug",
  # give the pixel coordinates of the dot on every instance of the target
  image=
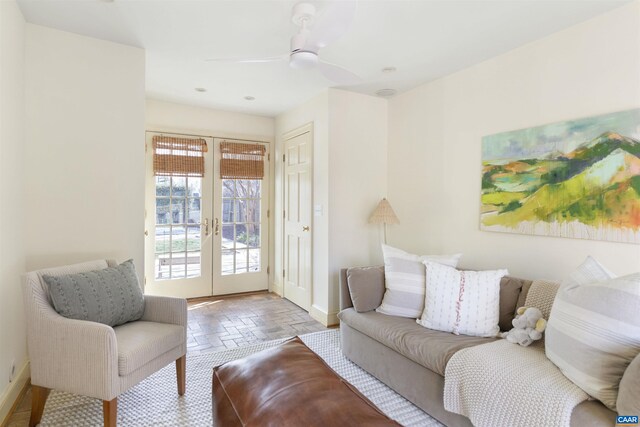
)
(155, 402)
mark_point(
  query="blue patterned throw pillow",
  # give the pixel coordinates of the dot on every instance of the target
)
(111, 296)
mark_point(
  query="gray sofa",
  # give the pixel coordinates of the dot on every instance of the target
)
(412, 359)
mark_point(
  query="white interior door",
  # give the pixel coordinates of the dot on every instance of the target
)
(178, 242)
(297, 218)
(240, 230)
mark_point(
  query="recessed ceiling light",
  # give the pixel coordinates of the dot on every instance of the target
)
(386, 93)
(200, 89)
(250, 98)
(389, 69)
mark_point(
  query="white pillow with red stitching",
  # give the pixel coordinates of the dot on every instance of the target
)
(462, 302)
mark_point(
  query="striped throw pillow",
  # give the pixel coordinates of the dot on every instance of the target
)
(593, 334)
(462, 302)
(405, 281)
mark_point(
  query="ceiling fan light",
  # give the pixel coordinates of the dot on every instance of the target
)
(303, 59)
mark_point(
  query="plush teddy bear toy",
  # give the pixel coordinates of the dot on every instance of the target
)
(528, 326)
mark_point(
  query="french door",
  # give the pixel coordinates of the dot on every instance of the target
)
(240, 225)
(204, 235)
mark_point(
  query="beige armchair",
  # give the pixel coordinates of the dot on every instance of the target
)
(93, 359)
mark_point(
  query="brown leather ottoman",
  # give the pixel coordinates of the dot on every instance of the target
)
(288, 385)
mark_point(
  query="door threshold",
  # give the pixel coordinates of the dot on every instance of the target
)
(239, 294)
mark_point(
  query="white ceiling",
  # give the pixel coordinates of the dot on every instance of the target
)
(423, 39)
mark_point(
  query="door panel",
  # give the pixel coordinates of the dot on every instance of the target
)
(297, 219)
(240, 231)
(178, 245)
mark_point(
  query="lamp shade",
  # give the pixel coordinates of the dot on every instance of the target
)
(383, 214)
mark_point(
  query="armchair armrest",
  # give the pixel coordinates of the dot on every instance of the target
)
(165, 310)
(76, 356)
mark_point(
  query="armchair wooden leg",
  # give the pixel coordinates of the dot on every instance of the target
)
(110, 412)
(38, 399)
(181, 374)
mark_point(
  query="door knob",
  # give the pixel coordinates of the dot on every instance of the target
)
(216, 227)
(206, 226)
(305, 228)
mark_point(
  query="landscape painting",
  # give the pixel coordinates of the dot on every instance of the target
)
(578, 179)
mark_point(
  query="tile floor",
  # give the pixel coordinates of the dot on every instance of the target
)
(219, 323)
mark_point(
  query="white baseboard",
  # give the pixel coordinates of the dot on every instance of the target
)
(276, 288)
(13, 392)
(327, 319)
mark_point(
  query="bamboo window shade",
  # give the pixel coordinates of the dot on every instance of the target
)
(241, 161)
(174, 156)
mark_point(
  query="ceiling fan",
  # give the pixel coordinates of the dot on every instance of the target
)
(316, 32)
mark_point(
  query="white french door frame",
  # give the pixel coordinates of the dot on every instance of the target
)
(246, 281)
(269, 185)
(285, 137)
(187, 287)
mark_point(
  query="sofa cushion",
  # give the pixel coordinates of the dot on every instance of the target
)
(141, 342)
(431, 349)
(111, 296)
(405, 281)
(593, 334)
(629, 393)
(510, 290)
(366, 287)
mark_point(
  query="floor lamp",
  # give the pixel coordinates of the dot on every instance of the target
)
(384, 214)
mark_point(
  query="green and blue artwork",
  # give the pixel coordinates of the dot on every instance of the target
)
(579, 179)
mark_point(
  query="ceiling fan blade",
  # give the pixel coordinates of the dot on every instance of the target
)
(249, 60)
(338, 74)
(331, 24)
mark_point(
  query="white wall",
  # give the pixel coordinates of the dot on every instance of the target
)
(172, 117)
(85, 149)
(13, 345)
(435, 136)
(357, 182)
(349, 179)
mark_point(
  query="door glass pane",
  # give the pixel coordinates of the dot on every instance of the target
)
(162, 185)
(227, 210)
(178, 245)
(193, 207)
(254, 260)
(253, 210)
(227, 236)
(241, 210)
(193, 238)
(178, 267)
(241, 261)
(194, 187)
(227, 261)
(241, 217)
(178, 186)
(193, 264)
(241, 236)
(162, 210)
(253, 235)
(228, 188)
(178, 210)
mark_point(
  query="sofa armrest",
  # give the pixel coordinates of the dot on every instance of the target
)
(165, 310)
(345, 296)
